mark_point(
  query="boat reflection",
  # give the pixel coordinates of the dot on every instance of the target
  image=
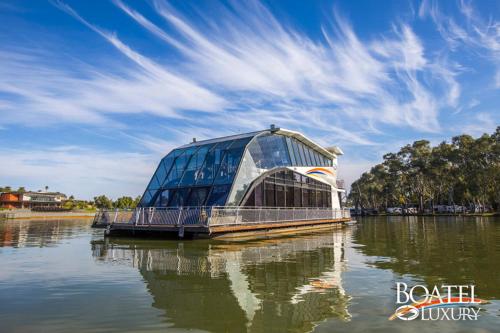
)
(273, 285)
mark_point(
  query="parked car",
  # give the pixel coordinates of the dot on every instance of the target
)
(394, 210)
(478, 209)
(441, 209)
(456, 209)
(410, 210)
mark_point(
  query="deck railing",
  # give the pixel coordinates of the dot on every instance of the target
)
(215, 216)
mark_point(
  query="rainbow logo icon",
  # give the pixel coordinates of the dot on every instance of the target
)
(320, 171)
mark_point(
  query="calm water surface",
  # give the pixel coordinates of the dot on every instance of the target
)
(60, 276)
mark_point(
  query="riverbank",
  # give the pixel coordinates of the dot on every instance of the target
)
(24, 214)
(494, 214)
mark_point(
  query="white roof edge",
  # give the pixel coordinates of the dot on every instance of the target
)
(301, 137)
(335, 150)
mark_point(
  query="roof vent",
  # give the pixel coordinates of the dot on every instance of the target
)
(194, 140)
(274, 128)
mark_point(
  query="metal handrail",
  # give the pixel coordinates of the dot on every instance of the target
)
(215, 215)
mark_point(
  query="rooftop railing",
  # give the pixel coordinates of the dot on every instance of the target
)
(214, 216)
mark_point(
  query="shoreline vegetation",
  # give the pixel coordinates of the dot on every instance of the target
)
(461, 177)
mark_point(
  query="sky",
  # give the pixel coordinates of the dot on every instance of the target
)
(94, 93)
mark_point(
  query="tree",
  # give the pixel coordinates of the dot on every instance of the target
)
(136, 201)
(6, 189)
(103, 202)
(465, 171)
(124, 203)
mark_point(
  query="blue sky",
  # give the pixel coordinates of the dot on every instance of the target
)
(94, 93)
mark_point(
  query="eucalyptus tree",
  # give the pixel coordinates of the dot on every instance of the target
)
(465, 171)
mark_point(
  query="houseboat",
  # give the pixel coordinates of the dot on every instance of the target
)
(258, 182)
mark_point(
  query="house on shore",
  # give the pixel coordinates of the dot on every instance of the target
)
(32, 200)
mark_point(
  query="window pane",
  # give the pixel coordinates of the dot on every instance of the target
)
(302, 154)
(194, 165)
(154, 184)
(289, 196)
(198, 196)
(179, 166)
(166, 164)
(218, 195)
(308, 156)
(280, 196)
(269, 151)
(280, 175)
(179, 197)
(290, 151)
(259, 195)
(269, 194)
(146, 198)
(206, 173)
(163, 198)
(311, 158)
(160, 174)
(312, 198)
(316, 159)
(297, 197)
(305, 198)
(231, 161)
(298, 157)
(250, 200)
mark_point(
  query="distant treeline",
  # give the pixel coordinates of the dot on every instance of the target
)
(464, 172)
(103, 202)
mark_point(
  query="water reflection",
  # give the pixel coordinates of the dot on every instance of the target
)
(40, 233)
(272, 285)
(60, 274)
(451, 250)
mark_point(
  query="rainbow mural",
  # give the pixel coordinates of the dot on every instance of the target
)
(320, 171)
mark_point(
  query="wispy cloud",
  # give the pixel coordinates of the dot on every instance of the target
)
(471, 31)
(241, 68)
(79, 171)
(257, 64)
(478, 124)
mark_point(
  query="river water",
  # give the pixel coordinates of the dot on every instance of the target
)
(60, 276)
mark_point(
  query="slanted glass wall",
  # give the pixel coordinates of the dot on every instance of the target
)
(286, 188)
(195, 176)
(267, 151)
(302, 155)
(204, 174)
